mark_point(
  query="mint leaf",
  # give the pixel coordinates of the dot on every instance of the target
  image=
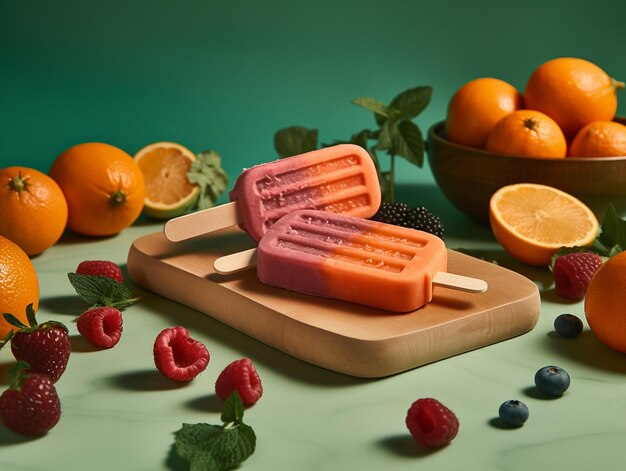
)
(207, 172)
(214, 447)
(98, 290)
(612, 237)
(413, 101)
(410, 143)
(377, 107)
(217, 447)
(232, 410)
(294, 140)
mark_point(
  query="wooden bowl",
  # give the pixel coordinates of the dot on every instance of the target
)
(468, 176)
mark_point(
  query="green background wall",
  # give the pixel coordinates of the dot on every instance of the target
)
(227, 74)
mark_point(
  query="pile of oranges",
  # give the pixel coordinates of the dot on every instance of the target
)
(567, 110)
(92, 189)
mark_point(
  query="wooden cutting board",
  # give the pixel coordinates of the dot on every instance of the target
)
(341, 336)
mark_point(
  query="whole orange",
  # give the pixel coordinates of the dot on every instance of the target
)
(574, 92)
(476, 107)
(605, 301)
(103, 186)
(34, 210)
(600, 139)
(19, 286)
(527, 133)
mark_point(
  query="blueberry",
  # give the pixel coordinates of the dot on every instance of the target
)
(513, 412)
(568, 325)
(552, 380)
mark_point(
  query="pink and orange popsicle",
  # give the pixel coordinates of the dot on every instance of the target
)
(338, 179)
(353, 259)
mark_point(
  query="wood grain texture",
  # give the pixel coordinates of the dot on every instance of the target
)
(347, 338)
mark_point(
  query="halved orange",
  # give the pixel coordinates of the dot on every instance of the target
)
(533, 221)
(169, 192)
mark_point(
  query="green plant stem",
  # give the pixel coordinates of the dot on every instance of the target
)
(392, 177)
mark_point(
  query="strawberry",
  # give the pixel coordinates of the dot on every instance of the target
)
(431, 424)
(240, 376)
(45, 347)
(572, 273)
(101, 268)
(178, 356)
(101, 326)
(31, 405)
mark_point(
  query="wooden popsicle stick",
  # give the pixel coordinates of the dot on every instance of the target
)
(240, 261)
(459, 282)
(203, 222)
(235, 262)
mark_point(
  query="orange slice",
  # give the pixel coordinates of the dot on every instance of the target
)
(169, 192)
(533, 221)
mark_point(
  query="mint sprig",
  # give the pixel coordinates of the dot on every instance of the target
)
(208, 173)
(396, 134)
(98, 291)
(217, 447)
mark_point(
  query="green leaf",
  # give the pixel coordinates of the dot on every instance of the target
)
(98, 290)
(612, 235)
(232, 411)
(207, 172)
(30, 315)
(14, 321)
(403, 139)
(214, 447)
(294, 140)
(413, 101)
(377, 107)
(410, 143)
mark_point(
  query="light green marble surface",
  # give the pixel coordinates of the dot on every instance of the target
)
(119, 413)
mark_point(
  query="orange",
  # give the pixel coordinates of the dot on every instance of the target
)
(600, 139)
(605, 299)
(476, 107)
(169, 192)
(533, 221)
(34, 210)
(103, 186)
(19, 286)
(527, 133)
(574, 92)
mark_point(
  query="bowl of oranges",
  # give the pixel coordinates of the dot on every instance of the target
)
(562, 132)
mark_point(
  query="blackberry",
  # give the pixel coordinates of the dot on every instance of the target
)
(392, 213)
(400, 214)
(422, 219)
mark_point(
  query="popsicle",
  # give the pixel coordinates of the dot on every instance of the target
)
(338, 179)
(351, 259)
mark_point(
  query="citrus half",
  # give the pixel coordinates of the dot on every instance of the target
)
(533, 221)
(169, 192)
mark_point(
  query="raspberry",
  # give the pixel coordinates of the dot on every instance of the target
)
(431, 423)
(31, 405)
(239, 376)
(178, 356)
(100, 268)
(101, 326)
(572, 273)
